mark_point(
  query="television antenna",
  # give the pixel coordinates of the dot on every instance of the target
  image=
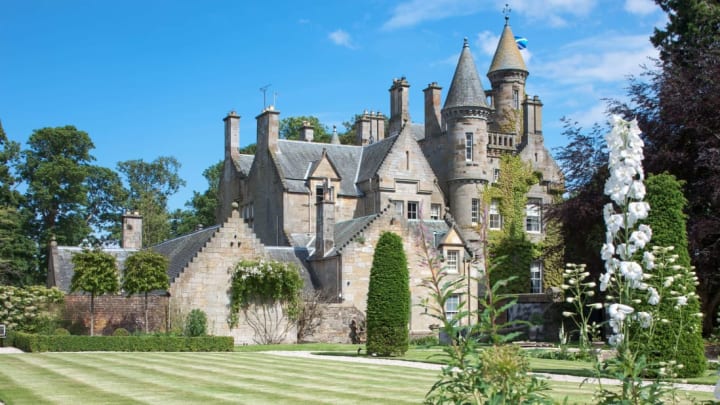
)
(264, 92)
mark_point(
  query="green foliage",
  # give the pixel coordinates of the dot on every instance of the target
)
(201, 207)
(17, 252)
(20, 308)
(681, 339)
(388, 299)
(61, 332)
(248, 149)
(145, 271)
(511, 243)
(146, 343)
(264, 282)
(150, 186)
(196, 324)
(553, 255)
(290, 128)
(95, 272)
(121, 332)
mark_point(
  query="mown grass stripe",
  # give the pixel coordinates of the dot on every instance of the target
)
(292, 381)
(226, 382)
(11, 392)
(150, 390)
(58, 385)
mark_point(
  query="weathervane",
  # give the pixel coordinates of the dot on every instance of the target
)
(506, 12)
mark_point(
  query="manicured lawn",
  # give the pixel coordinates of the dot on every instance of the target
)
(209, 378)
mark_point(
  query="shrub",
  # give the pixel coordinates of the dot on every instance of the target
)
(147, 343)
(430, 340)
(388, 301)
(26, 309)
(61, 332)
(121, 332)
(196, 324)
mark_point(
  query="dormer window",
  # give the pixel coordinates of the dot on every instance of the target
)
(452, 261)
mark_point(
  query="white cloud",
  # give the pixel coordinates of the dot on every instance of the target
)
(487, 42)
(413, 12)
(608, 58)
(342, 38)
(552, 12)
(641, 7)
(589, 117)
(303, 21)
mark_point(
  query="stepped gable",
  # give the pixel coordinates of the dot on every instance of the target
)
(346, 231)
(373, 156)
(466, 88)
(181, 250)
(294, 159)
(507, 55)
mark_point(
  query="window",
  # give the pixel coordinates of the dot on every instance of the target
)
(536, 277)
(412, 211)
(452, 306)
(516, 99)
(494, 220)
(475, 211)
(532, 215)
(398, 207)
(452, 261)
(496, 175)
(435, 211)
(468, 146)
(319, 194)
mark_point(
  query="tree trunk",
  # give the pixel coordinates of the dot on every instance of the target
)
(146, 312)
(92, 314)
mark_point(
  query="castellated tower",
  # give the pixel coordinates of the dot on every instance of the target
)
(507, 75)
(465, 115)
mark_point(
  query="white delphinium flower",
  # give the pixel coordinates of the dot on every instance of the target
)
(645, 319)
(654, 297)
(636, 211)
(649, 260)
(681, 301)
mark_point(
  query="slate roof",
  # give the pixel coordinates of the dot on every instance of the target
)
(346, 231)
(293, 158)
(244, 163)
(436, 229)
(297, 256)
(372, 157)
(63, 268)
(181, 250)
(507, 55)
(466, 88)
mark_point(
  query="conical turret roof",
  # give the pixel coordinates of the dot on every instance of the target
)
(466, 88)
(507, 55)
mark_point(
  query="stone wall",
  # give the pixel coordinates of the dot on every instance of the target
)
(335, 325)
(115, 311)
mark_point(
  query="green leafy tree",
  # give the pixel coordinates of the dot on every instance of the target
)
(145, 271)
(683, 344)
(201, 208)
(9, 153)
(388, 300)
(290, 128)
(96, 274)
(150, 185)
(17, 251)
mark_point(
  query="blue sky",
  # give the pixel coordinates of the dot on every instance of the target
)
(155, 78)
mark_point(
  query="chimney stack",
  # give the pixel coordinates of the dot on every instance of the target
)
(268, 129)
(432, 109)
(132, 230)
(232, 135)
(307, 132)
(325, 221)
(399, 101)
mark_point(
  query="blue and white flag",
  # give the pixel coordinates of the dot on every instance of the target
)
(521, 42)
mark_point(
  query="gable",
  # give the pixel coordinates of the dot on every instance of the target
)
(406, 163)
(452, 238)
(323, 168)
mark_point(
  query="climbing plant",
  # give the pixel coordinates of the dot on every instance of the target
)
(264, 282)
(516, 178)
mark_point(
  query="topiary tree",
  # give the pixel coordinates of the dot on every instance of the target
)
(145, 271)
(388, 300)
(95, 273)
(680, 338)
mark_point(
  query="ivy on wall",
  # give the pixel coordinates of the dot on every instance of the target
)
(264, 282)
(511, 243)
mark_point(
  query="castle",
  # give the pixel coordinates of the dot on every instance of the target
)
(324, 206)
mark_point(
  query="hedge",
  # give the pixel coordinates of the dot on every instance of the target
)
(55, 343)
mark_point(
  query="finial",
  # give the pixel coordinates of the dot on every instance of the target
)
(465, 43)
(507, 11)
(334, 129)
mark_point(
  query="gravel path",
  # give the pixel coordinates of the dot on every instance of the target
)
(428, 366)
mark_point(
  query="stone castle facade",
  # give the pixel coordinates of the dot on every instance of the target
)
(324, 206)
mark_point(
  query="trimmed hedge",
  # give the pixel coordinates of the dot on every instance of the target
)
(52, 343)
(388, 299)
